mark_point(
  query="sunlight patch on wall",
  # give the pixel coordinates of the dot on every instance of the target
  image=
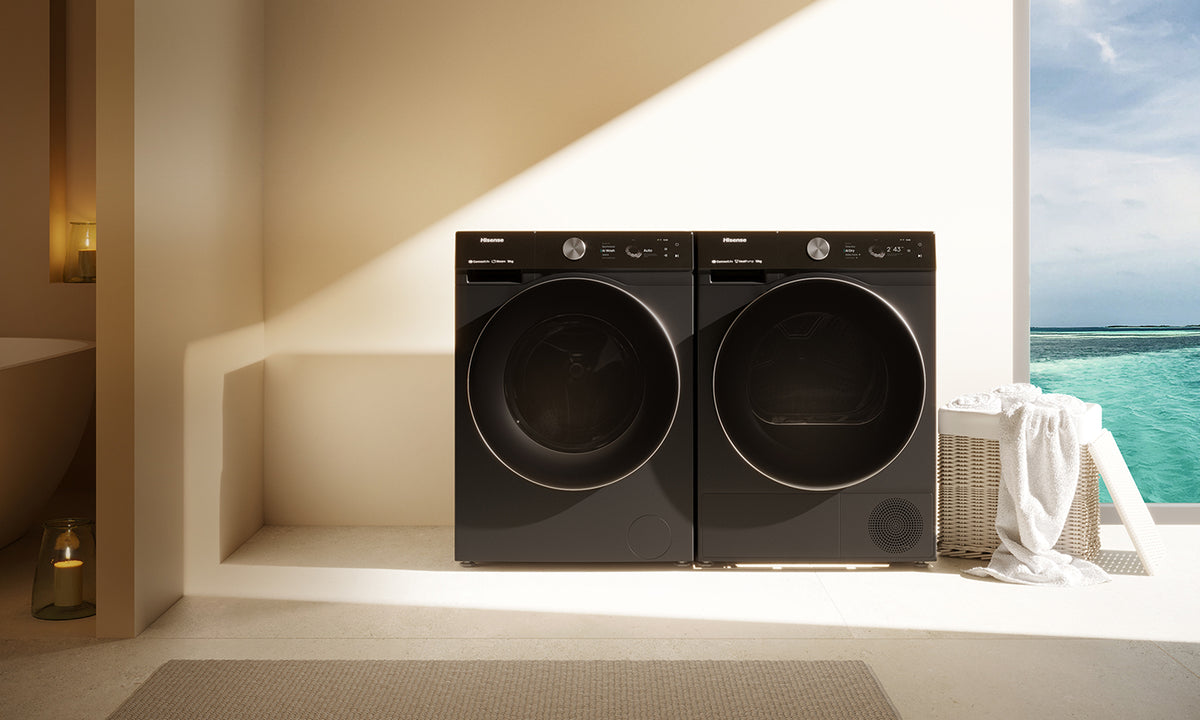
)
(822, 121)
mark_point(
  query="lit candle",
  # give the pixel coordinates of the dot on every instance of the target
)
(87, 264)
(68, 583)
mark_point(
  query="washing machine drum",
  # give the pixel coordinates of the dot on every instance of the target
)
(573, 383)
(819, 383)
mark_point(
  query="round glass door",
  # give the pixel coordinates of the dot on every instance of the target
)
(819, 383)
(573, 383)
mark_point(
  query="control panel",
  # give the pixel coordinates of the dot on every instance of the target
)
(796, 250)
(593, 250)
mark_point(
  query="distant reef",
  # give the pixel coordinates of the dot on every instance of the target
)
(1060, 328)
(1148, 327)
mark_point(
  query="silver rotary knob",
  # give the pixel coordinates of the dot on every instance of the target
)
(574, 248)
(818, 248)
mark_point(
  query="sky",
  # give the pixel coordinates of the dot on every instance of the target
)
(1115, 162)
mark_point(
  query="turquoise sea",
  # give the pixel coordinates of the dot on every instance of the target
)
(1147, 380)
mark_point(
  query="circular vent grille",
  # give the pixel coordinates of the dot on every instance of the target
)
(895, 525)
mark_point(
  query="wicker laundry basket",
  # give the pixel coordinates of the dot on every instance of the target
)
(968, 474)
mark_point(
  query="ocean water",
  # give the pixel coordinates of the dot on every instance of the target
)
(1147, 380)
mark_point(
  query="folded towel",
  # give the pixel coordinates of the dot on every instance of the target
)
(1016, 392)
(1039, 471)
(976, 402)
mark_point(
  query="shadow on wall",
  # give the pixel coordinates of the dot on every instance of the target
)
(359, 440)
(374, 133)
(311, 439)
(241, 504)
(383, 118)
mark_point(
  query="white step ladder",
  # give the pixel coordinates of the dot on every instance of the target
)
(1135, 516)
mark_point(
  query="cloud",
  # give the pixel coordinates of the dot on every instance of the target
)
(1113, 233)
(1107, 54)
(1115, 162)
(1104, 199)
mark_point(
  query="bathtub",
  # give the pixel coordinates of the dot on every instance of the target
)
(47, 389)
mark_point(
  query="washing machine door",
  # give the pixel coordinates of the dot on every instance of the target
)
(819, 383)
(573, 383)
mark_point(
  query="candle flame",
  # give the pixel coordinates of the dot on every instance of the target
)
(67, 540)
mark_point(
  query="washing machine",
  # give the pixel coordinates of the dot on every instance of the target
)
(815, 421)
(574, 409)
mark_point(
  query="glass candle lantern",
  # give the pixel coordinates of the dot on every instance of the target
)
(80, 263)
(64, 584)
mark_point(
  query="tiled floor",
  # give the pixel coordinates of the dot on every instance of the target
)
(943, 645)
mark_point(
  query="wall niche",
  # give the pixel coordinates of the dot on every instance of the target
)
(72, 117)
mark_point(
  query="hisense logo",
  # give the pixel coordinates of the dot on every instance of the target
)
(491, 240)
(733, 240)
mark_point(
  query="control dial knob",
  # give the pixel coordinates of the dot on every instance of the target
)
(818, 248)
(574, 248)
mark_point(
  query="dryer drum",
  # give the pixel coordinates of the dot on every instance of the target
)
(817, 368)
(819, 383)
(573, 383)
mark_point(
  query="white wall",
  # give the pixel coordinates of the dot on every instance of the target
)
(851, 114)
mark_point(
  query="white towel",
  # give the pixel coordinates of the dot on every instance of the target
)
(1073, 405)
(1039, 471)
(976, 402)
(1016, 392)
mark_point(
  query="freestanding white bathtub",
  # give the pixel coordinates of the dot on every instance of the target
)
(47, 388)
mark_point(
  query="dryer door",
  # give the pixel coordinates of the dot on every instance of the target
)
(573, 383)
(819, 383)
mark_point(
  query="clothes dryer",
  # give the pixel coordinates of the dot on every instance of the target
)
(815, 397)
(573, 397)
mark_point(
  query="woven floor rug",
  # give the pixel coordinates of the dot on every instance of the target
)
(500, 690)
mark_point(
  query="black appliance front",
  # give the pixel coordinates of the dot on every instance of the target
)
(815, 397)
(573, 408)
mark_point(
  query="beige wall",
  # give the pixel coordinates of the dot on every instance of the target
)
(180, 127)
(80, 133)
(284, 179)
(197, 264)
(30, 304)
(117, 603)
(384, 118)
(413, 120)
